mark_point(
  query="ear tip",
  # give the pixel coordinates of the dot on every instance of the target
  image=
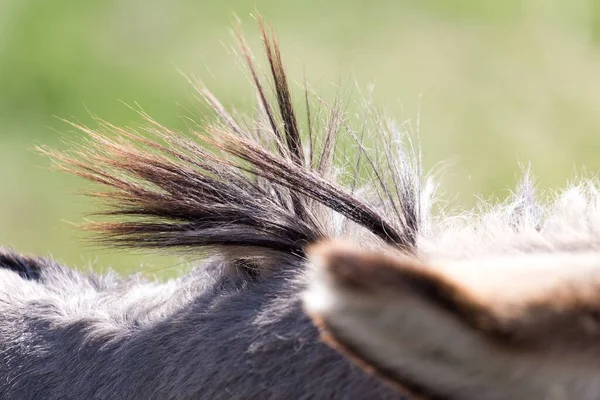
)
(325, 255)
(330, 248)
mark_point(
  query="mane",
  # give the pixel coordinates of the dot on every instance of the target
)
(528, 221)
(259, 187)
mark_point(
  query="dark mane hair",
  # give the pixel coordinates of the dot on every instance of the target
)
(266, 184)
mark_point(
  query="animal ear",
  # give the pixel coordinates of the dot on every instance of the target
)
(505, 328)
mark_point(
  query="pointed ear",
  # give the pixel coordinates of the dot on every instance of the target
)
(505, 327)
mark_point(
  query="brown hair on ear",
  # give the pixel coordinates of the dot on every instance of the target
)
(540, 304)
(511, 327)
(390, 271)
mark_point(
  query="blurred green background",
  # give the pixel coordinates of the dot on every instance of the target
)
(494, 83)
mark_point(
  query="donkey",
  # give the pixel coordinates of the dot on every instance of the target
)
(401, 299)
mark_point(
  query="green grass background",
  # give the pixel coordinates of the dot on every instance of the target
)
(494, 83)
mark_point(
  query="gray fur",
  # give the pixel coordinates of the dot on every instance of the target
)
(207, 335)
